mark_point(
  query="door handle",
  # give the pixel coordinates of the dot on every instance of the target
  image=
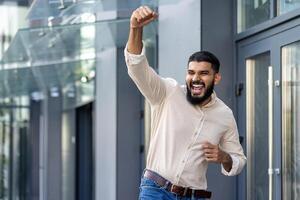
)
(277, 171)
(274, 171)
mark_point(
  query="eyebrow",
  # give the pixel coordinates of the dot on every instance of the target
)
(201, 71)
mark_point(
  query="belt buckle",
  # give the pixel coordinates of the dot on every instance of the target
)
(171, 189)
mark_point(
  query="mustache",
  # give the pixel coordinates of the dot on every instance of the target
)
(197, 82)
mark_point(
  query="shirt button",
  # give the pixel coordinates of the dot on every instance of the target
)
(183, 161)
(177, 176)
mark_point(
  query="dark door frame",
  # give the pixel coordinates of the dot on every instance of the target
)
(271, 40)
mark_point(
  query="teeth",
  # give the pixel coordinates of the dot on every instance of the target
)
(198, 85)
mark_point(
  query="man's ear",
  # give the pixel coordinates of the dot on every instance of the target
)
(218, 78)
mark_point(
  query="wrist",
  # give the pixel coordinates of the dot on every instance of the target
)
(226, 159)
(227, 162)
(136, 28)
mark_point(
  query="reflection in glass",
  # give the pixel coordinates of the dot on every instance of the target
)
(13, 17)
(288, 5)
(14, 118)
(61, 62)
(291, 121)
(251, 13)
(257, 126)
(68, 155)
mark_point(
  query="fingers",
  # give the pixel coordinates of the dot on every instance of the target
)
(145, 10)
(211, 157)
(142, 16)
(144, 13)
(211, 152)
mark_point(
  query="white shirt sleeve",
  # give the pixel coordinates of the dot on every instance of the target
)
(234, 168)
(133, 59)
(150, 84)
(230, 144)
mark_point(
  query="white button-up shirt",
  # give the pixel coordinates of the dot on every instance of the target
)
(179, 128)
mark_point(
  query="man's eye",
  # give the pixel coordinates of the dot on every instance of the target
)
(204, 73)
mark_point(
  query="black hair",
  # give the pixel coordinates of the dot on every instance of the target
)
(207, 57)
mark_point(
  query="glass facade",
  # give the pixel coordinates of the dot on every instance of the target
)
(291, 121)
(254, 12)
(47, 89)
(14, 112)
(285, 6)
(251, 13)
(14, 130)
(257, 126)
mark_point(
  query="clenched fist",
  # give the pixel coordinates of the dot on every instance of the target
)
(142, 16)
(214, 154)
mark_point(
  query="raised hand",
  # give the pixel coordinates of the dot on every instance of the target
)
(142, 16)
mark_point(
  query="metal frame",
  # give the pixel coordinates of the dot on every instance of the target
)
(273, 22)
(271, 133)
(247, 51)
(250, 71)
(272, 41)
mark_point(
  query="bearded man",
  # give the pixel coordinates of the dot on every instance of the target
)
(190, 125)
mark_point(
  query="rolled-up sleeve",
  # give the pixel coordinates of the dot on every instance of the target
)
(230, 144)
(150, 84)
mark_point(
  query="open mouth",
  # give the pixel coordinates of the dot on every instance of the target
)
(197, 88)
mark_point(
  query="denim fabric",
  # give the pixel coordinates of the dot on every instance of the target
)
(149, 190)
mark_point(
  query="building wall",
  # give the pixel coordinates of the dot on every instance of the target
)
(178, 37)
(106, 126)
(217, 37)
(129, 133)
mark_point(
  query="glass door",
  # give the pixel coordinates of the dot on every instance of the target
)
(269, 115)
(256, 110)
(290, 55)
(257, 125)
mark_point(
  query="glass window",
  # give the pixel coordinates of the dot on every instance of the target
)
(288, 5)
(291, 120)
(14, 147)
(257, 126)
(251, 13)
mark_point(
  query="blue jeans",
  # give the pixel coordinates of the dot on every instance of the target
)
(149, 190)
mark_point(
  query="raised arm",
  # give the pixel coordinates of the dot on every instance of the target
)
(139, 18)
(150, 84)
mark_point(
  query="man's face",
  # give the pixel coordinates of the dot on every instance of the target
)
(200, 81)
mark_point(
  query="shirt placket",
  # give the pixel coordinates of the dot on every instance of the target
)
(188, 151)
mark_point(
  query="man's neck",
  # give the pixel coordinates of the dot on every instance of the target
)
(205, 102)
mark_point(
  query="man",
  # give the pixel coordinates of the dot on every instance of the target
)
(190, 126)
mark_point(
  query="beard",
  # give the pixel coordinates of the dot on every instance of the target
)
(197, 100)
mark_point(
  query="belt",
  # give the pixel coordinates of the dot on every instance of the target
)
(180, 191)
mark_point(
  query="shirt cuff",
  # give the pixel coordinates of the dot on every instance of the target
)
(234, 168)
(133, 59)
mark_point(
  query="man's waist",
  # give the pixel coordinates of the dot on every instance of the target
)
(176, 189)
(192, 176)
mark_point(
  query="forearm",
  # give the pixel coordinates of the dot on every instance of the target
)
(139, 18)
(134, 44)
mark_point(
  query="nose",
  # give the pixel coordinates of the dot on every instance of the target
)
(196, 78)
